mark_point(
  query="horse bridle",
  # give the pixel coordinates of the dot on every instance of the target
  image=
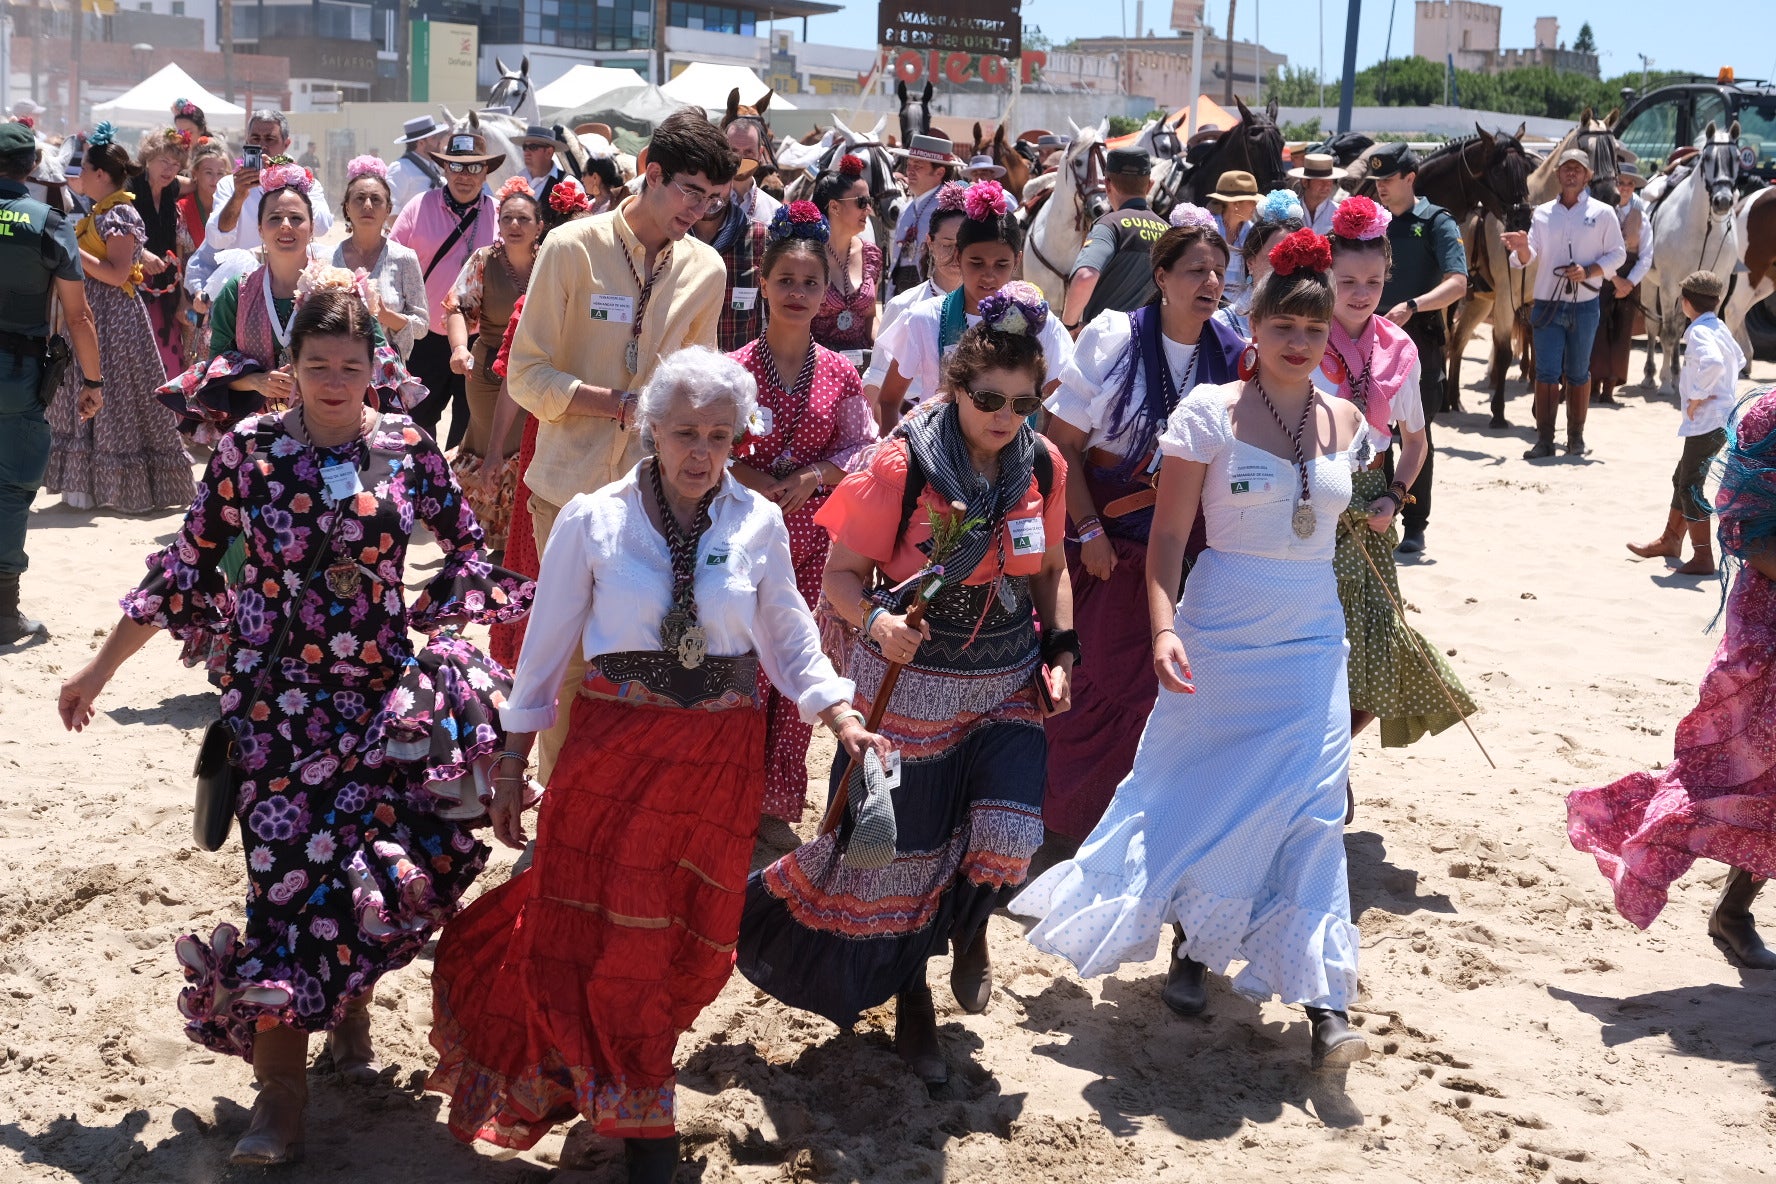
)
(512, 85)
(1603, 164)
(1710, 163)
(1090, 185)
(767, 142)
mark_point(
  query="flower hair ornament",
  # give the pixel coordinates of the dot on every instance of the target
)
(1280, 205)
(986, 200)
(366, 166)
(952, 195)
(1017, 308)
(1188, 214)
(798, 219)
(321, 277)
(101, 135)
(1302, 250)
(851, 165)
(186, 108)
(29, 121)
(1361, 219)
(514, 187)
(568, 198)
(286, 176)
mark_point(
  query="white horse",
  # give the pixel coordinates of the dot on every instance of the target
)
(888, 195)
(1693, 230)
(1060, 226)
(502, 133)
(513, 94)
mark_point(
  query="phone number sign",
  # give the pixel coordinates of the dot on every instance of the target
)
(977, 27)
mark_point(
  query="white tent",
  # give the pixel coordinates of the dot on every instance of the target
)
(150, 102)
(706, 86)
(583, 85)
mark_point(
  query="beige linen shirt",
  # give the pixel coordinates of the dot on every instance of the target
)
(558, 343)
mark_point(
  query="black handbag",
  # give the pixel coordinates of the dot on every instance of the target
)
(218, 770)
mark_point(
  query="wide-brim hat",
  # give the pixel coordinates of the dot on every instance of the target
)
(537, 134)
(418, 128)
(1627, 170)
(1236, 185)
(1318, 166)
(933, 149)
(468, 148)
(595, 129)
(984, 164)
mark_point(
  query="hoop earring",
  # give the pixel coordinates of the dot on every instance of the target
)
(1332, 366)
(1248, 363)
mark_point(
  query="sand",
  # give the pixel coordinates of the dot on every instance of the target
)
(1522, 1031)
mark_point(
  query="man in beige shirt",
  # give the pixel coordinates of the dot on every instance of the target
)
(609, 297)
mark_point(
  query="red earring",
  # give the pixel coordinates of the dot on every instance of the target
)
(1248, 363)
(1332, 366)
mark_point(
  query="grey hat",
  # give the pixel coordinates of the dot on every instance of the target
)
(1393, 160)
(935, 149)
(1627, 170)
(419, 128)
(537, 134)
(1053, 141)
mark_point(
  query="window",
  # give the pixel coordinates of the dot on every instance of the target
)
(1653, 133)
(178, 7)
(1709, 107)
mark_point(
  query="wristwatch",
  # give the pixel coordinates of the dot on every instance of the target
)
(1412, 305)
(91, 384)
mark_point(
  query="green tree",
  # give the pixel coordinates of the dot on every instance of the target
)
(1036, 39)
(1586, 43)
(1294, 86)
(1125, 125)
(1309, 131)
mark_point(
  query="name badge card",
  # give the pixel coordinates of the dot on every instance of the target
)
(745, 299)
(1026, 536)
(616, 310)
(341, 481)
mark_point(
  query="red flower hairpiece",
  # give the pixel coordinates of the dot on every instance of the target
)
(804, 211)
(1302, 249)
(568, 198)
(1360, 218)
(851, 165)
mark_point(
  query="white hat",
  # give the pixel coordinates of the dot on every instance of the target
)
(984, 164)
(27, 107)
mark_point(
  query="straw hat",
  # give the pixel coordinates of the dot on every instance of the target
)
(1236, 185)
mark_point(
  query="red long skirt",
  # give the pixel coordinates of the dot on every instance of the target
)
(563, 991)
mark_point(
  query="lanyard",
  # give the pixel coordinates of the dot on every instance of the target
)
(647, 289)
(279, 329)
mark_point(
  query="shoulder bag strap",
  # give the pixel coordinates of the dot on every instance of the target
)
(462, 228)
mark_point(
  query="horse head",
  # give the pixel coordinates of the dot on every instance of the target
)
(912, 124)
(1007, 157)
(1597, 139)
(1082, 173)
(512, 94)
(738, 112)
(1718, 172)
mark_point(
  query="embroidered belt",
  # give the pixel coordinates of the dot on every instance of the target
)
(653, 678)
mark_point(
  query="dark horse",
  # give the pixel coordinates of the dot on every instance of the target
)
(915, 114)
(1254, 144)
(1007, 157)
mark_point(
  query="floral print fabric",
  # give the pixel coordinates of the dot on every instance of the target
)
(355, 750)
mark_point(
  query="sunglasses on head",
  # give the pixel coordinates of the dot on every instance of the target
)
(474, 170)
(991, 402)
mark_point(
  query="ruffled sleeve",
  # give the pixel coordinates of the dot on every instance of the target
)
(467, 586)
(854, 421)
(185, 592)
(1086, 395)
(1198, 428)
(122, 219)
(465, 293)
(863, 513)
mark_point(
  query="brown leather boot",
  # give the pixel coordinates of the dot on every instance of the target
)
(280, 1065)
(1701, 562)
(915, 1033)
(971, 975)
(349, 1042)
(1668, 545)
(1578, 405)
(1731, 924)
(1547, 407)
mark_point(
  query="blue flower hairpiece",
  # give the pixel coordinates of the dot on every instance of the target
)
(1018, 307)
(1279, 205)
(101, 135)
(798, 219)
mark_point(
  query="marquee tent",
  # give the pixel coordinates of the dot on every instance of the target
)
(584, 84)
(707, 86)
(150, 102)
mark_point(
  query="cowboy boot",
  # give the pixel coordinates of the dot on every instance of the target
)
(1186, 990)
(1334, 1043)
(14, 625)
(651, 1161)
(1701, 561)
(349, 1042)
(915, 1033)
(1547, 407)
(1668, 545)
(1578, 403)
(280, 1065)
(971, 975)
(1731, 924)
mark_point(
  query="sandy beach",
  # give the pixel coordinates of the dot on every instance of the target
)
(1522, 1031)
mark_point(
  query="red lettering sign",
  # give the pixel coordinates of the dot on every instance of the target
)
(909, 66)
(956, 67)
(994, 70)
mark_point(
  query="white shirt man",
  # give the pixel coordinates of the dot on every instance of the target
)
(234, 219)
(931, 161)
(415, 172)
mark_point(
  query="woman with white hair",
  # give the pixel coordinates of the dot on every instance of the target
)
(564, 991)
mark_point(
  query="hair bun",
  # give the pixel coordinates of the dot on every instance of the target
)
(1301, 250)
(1017, 308)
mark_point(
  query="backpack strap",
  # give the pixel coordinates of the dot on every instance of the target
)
(1041, 464)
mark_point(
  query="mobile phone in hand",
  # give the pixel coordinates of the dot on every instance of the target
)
(254, 155)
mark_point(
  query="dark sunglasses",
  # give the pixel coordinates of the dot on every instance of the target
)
(991, 402)
(862, 203)
(457, 166)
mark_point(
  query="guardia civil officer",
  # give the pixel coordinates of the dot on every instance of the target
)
(37, 256)
(1114, 269)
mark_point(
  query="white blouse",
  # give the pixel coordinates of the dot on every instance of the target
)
(877, 373)
(1090, 388)
(911, 344)
(606, 584)
(1406, 408)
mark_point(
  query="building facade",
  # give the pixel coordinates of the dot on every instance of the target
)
(1160, 66)
(1463, 29)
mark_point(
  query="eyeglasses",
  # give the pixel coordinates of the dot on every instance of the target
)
(992, 402)
(473, 170)
(711, 202)
(863, 203)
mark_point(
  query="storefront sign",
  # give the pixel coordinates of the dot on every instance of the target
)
(989, 27)
(443, 62)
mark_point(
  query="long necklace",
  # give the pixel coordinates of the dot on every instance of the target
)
(680, 633)
(1359, 388)
(1177, 388)
(845, 318)
(1302, 521)
(800, 396)
(521, 282)
(632, 354)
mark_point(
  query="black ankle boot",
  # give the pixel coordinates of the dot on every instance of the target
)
(1732, 927)
(1186, 988)
(915, 1033)
(651, 1161)
(1333, 1041)
(971, 975)
(14, 625)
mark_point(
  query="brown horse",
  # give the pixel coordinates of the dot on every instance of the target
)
(1254, 144)
(739, 112)
(1017, 169)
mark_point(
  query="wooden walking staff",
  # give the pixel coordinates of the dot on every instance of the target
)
(1412, 634)
(835, 810)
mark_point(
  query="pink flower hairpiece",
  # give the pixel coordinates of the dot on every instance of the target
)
(952, 196)
(286, 176)
(514, 187)
(318, 278)
(568, 198)
(1187, 214)
(366, 166)
(985, 200)
(1018, 308)
(1360, 218)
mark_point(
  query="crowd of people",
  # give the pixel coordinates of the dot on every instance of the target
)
(1096, 598)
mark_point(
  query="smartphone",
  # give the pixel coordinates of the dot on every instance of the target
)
(254, 155)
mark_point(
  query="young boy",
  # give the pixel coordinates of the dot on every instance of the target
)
(1705, 389)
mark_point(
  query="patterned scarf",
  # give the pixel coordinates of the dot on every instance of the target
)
(935, 438)
(952, 323)
(1140, 418)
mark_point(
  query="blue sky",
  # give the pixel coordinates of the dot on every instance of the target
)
(1624, 29)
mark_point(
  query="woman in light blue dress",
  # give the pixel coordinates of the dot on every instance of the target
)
(1230, 827)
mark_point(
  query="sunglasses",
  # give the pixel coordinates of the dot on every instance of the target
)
(862, 203)
(473, 170)
(992, 402)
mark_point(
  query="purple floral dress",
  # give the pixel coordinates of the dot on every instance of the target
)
(358, 794)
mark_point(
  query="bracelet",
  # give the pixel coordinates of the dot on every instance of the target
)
(1167, 629)
(511, 754)
(1086, 524)
(838, 721)
(91, 384)
(625, 400)
(1086, 536)
(1061, 641)
(869, 621)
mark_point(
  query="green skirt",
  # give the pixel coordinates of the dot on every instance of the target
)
(1388, 675)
